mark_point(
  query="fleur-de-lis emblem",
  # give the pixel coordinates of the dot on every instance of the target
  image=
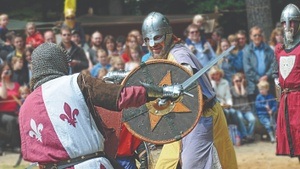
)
(69, 116)
(36, 130)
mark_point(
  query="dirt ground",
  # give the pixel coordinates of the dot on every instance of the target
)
(258, 155)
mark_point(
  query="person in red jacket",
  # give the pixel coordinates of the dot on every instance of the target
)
(34, 38)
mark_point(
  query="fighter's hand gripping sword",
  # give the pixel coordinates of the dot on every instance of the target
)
(174, 91)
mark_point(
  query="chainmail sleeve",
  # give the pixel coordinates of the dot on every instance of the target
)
(101, 94)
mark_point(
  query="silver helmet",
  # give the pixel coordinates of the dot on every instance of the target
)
(156, 29)
(290, 18)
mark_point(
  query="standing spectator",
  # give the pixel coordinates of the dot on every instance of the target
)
(243, 108)
(266, 107)
(3, 26)
(34, 37)
(78, 58)
(242, 39)
(8, 107)
(110, 45)
(198, 45)
(276, 37)
(49, 36)
(96, 44)
(103, 62)
(258, 62)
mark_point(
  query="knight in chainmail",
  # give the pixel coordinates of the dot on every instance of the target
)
(58, 123)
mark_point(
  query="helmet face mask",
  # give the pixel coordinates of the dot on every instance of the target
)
(290, 19)
(156, 29)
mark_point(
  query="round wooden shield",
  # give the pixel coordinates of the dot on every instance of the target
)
(163, 123)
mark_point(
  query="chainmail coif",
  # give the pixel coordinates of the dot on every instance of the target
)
(49, 61)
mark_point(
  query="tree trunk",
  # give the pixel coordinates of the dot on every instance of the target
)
(259, 14)
(115, 7)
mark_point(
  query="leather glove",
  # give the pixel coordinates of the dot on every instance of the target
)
(172, 91)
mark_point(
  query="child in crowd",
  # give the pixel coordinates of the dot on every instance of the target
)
(34, 38)
(3, 26)
(28, 53)
(24, 91)
(102, 72)
(135, 58)
(103, 62)
(120, 44)
(117, 64)
(243, 108)
(19, 75)
(266, 107)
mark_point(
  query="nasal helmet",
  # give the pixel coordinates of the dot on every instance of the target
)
(290, 19)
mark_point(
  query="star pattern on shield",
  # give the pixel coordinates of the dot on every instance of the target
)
(179, 107)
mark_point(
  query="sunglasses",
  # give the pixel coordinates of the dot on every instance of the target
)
(257, 35)
(192, 32)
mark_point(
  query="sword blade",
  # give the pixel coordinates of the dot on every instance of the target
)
(193, 78)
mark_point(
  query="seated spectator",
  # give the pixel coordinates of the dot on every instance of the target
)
(110, 45)
(222, 89)
(266, 107)
(18, 73)
(78, 58)
(231, 63)
(243, 108)
(135, 58)
(117, 64)
(198, 45)
(276, 37)
(34, 37)
(103, 62)
(120, 44)
(49, 36)
(7, 47)
(8, 107)
(131, 42)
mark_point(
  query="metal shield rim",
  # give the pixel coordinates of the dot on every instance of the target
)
(200, 97)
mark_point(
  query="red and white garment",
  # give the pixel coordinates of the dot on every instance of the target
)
(55, 125)
(288, 123)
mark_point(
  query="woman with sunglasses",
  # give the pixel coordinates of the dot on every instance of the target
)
(243, 108)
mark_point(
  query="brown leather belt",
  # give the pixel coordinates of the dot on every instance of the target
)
(288, 90)
(71, 162)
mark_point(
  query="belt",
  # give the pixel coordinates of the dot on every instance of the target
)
(71, 162)
(210, 103)
(288, 90)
